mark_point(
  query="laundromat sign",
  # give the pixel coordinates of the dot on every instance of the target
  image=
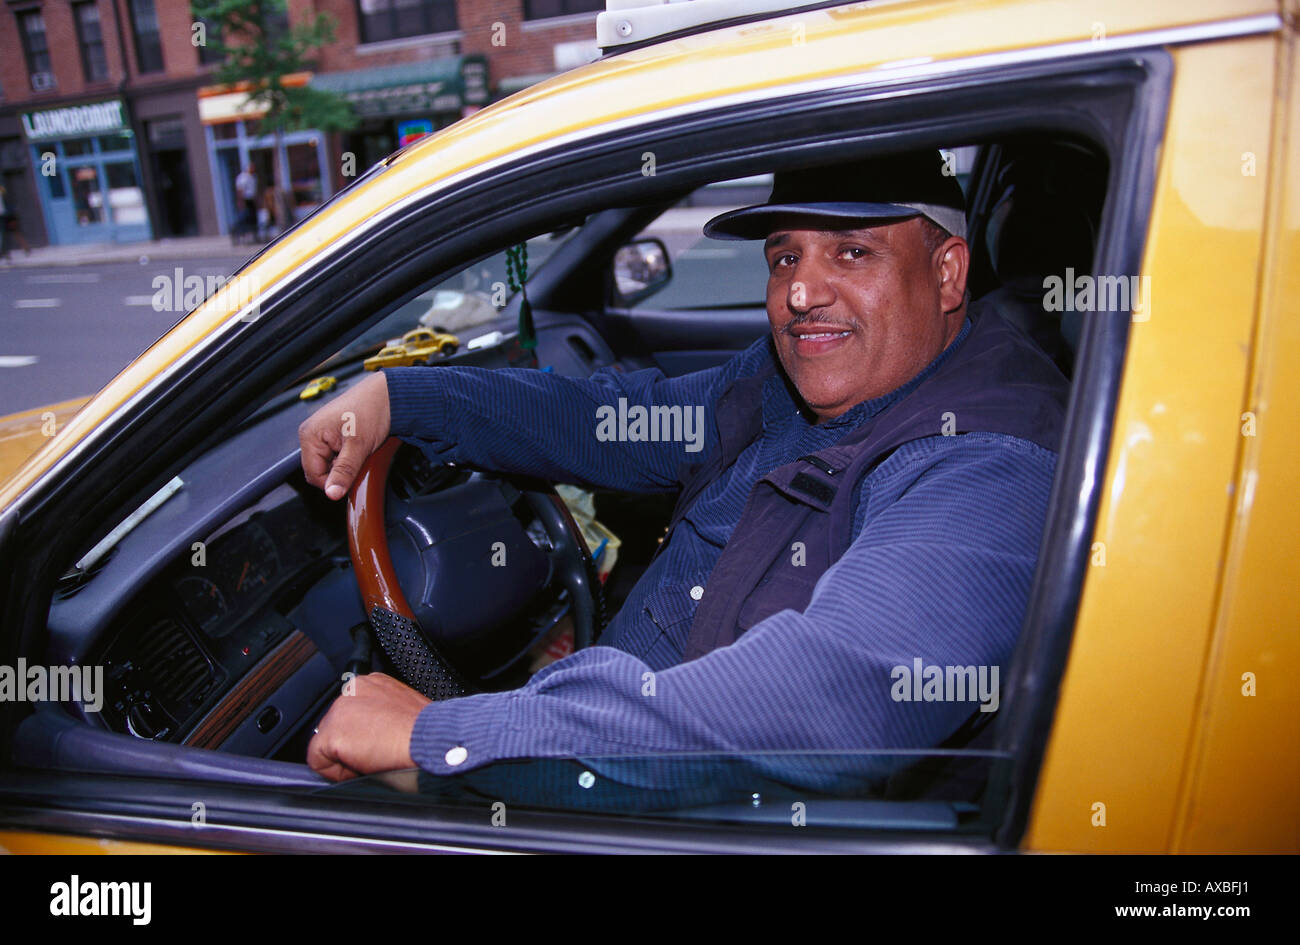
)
(75, 120)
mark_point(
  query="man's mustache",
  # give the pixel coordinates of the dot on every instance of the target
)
(813, 321)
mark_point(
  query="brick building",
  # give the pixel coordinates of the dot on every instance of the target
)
(111, 129)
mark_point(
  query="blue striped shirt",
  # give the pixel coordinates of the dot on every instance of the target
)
(947, 531)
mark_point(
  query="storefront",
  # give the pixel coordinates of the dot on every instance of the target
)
(396, 104)
(234, 142)
(87, 173)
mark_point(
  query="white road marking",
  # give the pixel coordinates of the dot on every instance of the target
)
(69, 277)
(17, 360)
(138, 300)
(36, 303)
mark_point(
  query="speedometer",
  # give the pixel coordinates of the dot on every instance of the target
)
(203, 601)
(249, 561)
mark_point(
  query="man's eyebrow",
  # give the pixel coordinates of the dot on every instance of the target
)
(775, 240)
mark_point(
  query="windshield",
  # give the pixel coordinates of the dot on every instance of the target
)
(459, 304)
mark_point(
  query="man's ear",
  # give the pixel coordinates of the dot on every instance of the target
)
(952, 265)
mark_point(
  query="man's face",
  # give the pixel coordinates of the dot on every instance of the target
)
(857, 313)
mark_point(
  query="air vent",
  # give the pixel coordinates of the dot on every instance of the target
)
(171, 660)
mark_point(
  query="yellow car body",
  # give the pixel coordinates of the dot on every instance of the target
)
(1177, 724)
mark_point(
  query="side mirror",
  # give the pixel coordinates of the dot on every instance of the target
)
(641, 268)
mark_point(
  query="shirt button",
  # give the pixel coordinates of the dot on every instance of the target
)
(456, 756)
(697, 592)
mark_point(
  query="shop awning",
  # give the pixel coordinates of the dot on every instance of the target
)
(223, 103)
(427, 87)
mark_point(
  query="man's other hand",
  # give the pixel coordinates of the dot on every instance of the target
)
(341, 435)
(367, 729)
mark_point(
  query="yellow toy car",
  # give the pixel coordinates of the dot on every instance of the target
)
(418, 346)
(1132, 173)
(321, 385)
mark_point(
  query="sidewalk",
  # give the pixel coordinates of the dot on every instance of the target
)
(186, 247)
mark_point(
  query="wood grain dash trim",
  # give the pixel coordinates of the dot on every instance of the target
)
(254, 689)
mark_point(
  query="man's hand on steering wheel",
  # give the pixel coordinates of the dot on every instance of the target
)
(338, 438)
(367, 729)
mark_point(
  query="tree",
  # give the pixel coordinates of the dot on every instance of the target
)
(259, 48)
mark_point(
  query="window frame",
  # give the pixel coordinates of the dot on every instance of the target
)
(428, 9)
(390, 260)
(31, 54)
(85, 45)
(147, 43)
(595, 6)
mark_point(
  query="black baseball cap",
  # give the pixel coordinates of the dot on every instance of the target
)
(872, 190)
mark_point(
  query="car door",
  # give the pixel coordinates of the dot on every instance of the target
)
(1116, 96)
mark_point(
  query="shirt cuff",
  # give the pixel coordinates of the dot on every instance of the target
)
(458, 735)
(416, 401)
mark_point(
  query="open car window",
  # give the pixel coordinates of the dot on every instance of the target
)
(726, 274)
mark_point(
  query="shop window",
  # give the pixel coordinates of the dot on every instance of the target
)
(226, 131)
(77, 147)
(90, 38)
(58, 190)
(148, 44)
(119, 142)
(304, 178)
(87, 197)
(36, 47)
(395, 19)
(544, 9)
(125, 198)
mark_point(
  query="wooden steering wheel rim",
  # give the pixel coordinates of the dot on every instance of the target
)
(367, 537)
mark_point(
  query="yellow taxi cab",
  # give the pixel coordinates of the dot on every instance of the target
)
(1132, 174)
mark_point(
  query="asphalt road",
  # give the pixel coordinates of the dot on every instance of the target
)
(66, 331)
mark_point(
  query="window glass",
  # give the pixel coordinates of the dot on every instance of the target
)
(709, 273)
(148, 44)
(125, 198)
(76, 147)
(470, 299)
(304, 178)
(87, 197)
(540, 9)
(395, 19)
(118, 142)
(31, 27)
(91, 39)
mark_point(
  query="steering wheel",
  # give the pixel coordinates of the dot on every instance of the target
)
(412, 653)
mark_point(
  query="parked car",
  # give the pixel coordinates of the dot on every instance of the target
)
(1147, 153)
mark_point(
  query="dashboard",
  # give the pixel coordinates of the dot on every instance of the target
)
(223, 619)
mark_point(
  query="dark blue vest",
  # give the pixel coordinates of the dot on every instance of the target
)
(995, 381)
